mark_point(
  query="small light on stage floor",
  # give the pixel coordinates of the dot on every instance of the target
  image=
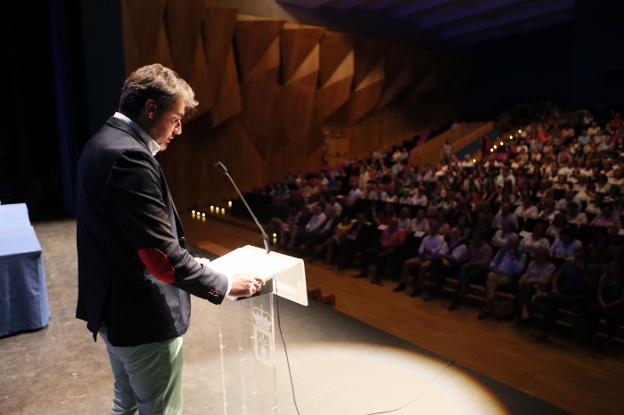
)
(501, 143)
(230, 204)
(193, 212)
(491, 150)
(211, 208)
(494, 146)
(203, 215)
(223, 211)
(511, 137)
(474, 161)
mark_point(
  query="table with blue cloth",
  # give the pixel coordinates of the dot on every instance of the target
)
(23, 293)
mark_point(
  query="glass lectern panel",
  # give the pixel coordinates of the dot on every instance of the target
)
(247, 348)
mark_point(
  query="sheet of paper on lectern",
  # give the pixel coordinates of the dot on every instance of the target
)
(287, 272)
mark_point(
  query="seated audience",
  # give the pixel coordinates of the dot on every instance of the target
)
(571, 289)
(505, 268)
(386, 254)
(537, 239)
(505, 214)
(535, 282)
(432, 278)
(432, 246)
(475, 266)
(566, 245)
(609, 304)
(502, 235)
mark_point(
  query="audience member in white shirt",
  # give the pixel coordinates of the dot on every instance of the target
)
(527, 209)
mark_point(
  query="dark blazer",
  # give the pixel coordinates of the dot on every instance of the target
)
(134, 274)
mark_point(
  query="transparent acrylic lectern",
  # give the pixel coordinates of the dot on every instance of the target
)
(247, 329)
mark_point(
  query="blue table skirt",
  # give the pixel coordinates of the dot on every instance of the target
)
(23, 293)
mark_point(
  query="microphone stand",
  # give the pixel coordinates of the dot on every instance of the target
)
(221, 167)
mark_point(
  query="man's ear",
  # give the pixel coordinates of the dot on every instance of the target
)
(150, 108)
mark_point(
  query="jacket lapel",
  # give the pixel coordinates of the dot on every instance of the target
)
(176, 222)
(121, 125)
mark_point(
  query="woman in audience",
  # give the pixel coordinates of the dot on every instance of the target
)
(420, 224)
(527, 210)
(573, 216)
(558, 223)
(535, 283)
(505, 268)
(566, 245)
(432, 278)
(607, 218)
(475, 266)
(531, 243)
(609, 303)
(571, 289)
(341, 231)
(501, 236)
(549, 211)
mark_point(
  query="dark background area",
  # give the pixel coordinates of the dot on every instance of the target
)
(64, 69)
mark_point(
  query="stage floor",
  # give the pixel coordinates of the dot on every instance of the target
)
(343, 366)
(339, 365)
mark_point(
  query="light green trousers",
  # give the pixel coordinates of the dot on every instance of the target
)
(148, 377)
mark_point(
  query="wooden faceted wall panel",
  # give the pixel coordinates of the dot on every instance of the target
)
(398, 73)
(189, 163)
(337, 65)
(300, 53)
(223, 93)
(387, 127)
(424, 73)
(184, 31)
(298, 42)
(228, 101)
(257, 42)
(368, 55)
(258, 57)
(368, 79)
(144, 33)
(268, 88)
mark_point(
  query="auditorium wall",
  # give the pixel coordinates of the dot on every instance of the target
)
(268, 86)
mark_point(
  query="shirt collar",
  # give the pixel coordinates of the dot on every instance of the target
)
(151, 144)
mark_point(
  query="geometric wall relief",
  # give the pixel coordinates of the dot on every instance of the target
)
(228, 101)
(144, 34)
(266, 87)
(300, 57)
(368, 78)
(424, 74)
(218, 33)
(258, 59)
(184, 31)
(398, 73)
(337, 65)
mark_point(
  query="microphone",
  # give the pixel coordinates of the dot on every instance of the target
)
(221, 167)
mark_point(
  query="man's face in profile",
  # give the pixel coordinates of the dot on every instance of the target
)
(164, 123)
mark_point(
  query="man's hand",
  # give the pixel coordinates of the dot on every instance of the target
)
(245, 286)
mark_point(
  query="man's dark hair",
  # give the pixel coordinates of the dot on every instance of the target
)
(157, 82)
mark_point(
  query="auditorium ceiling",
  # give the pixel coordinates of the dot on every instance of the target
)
(459, 23)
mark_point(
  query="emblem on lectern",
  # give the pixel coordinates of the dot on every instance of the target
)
(263, 344)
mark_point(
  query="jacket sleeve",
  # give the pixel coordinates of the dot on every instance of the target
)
(134, 190)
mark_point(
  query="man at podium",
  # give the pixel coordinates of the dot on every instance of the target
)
(135, 275)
